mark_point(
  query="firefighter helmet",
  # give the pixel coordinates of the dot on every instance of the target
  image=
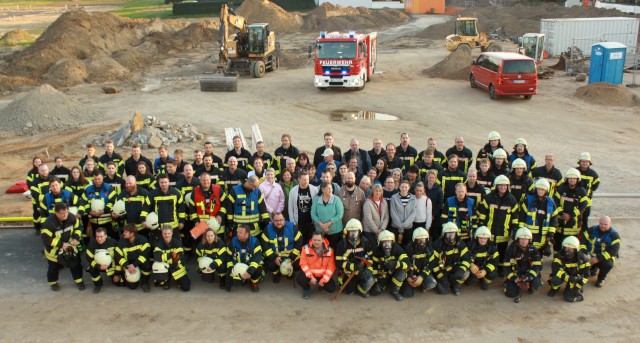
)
(571, 242)
(102, 257)
(493, 135)
(449, 227)
(521, 141)
(500, 153)
(132, 277)
(352, 225)
(286, 267)
(523, 232)
(97, 204)
(419, 233)
(519, 163)
(204, 263)
(73, 210)
(239, 269)
(483, 232)
(119, 208)
(585, 156)
(187, 197)
(160, 271)
(542, 184)
(501, 180)
(572, 173)
(213, 224)
(152, 221)
(386, 235)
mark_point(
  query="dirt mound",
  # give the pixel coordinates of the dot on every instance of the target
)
(292, 60)
(16, 37)
(264, 11)
(103, 69)
(607, 94)
(328, 17)
(12, 83)
(66, 72)
(44, 109)
(456, 66)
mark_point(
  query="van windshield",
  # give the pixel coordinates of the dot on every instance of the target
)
(519, 67)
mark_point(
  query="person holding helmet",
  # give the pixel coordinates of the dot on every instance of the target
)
(602, 243)
(169, 250)
(353, 255)
(98, 201)
(213, 257)
(168, 203)
(520, 182)
(281, 241)
(133, 254)
(539, 214)
(523, 265)
(571, 200)
(389, 265)
(590, 181)
(56, 195)
(133, 198)
(489, 148)
(317, 266)
(548, 171)
(500, 166)
(498, 212)
(452, 260)
(570, 266)
(207, 202)
(245, 251)
(520, 151)
(460, 209)
(99, 254)
(61, 235)
(484, 258)
(420, 261)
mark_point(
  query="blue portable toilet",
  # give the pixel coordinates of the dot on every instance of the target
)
(607, 62)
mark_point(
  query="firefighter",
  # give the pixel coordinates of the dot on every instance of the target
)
(450, 177)
(570, 266)
(233, 175)
(521, 151)
(317, 266)
(112, 178)
(56, 195)
(549, 172)
(285, 151)
(460, 209)
(353, 256)
(498, 212)
(213, 257)
(281, 241)
(484, 258)
(160, 163)
(133, 254)
(393, 161)
(489, 148)
(539, 214)
(39, 186)
(91, 155)
(465, 155)
(60, 171)
(168, 204)
(602, 243)
(209, 167)
(245, 205)
(207, 202)
(485, 176)
(246, 260)
(111, 156)
(520, 183)
(208, 151)
(421, 261)
(169, 250)
(186, 184)
(427, 163)
(100, 253)
(61, 235)
(571, 200)
(522, 267)
(131, 164)
(590, 182)
(475, 190)
(134, 198)
(267, 159)
(407, 153)
(452, 260)
(98, 201)
(500, 166)
(241, 154)
(389, 265)
(32, 175)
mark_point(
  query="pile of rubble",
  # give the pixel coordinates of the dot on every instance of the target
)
(150, 133)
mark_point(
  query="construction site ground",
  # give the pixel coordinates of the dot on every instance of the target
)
(555, 120)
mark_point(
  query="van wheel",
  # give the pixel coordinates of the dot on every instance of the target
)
(492, 93)
(527, 97)
(472, 81)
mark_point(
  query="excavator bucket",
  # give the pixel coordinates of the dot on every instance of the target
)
(219, 82)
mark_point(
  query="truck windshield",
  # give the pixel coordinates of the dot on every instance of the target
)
(519, 67)
(336, 50)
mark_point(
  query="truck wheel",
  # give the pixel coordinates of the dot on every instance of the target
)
(492, 93)
(364, 81)
(274, 64)
(257, 69)
(464, 47)
(472, 81)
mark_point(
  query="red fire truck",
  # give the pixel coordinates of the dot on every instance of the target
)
(344, 59)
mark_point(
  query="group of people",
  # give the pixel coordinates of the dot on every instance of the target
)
(359, 222)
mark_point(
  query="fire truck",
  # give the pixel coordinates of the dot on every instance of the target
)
(344, 60)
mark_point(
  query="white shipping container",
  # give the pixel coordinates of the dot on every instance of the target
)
(560, 34)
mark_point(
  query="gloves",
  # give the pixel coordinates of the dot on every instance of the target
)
(574, 278)
(391, 264)
(174, 255)
(473, 268)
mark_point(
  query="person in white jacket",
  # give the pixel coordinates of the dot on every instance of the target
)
(423, 208)
(375, 214)
(402, 210)
(300, 201)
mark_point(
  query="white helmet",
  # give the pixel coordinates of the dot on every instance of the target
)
(132, 277)
(501, 180)
(213, 224)
(571, 242)
(204, 263)
(286, 267)
(239, 269)
(386, 235)
(119, 208)
(493, 135)
(353, 224)
(543, 184)
(500, 153)
(572, 173)
(152, 220)
(483, 232)
(525, 233)
(160, 267)
(97, 204)
(449, 227)
(585, 156)
(73, 210)
(519, 163)
(187, 197)
(419, 233)
(102, 257)
(521, 141)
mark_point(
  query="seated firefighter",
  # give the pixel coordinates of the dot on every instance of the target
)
(523, 265)
(484, 258)
(452, 258)
(245, 265)
(389, 265)
(213, 257)
(570, 266)
(420, 260)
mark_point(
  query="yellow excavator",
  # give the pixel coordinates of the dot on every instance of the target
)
(249, 48)
(467, 37)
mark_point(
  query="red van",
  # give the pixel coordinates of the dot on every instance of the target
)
(504, 74)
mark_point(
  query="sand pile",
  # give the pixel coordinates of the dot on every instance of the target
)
(607, 94)
(456, 66)
(16, 37)
(328, 17)
(264, 11)
(44, 109)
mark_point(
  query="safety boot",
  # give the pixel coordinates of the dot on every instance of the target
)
(306, 294)
(55, 287)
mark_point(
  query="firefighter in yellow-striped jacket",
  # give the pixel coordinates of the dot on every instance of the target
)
(389, 265)
(452, 260)
(570, 266)
(169, 251)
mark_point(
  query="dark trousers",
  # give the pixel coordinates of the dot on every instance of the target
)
(53, 271)
(436, 228)
(306, 229)
(303, 281)
(605, 267)
(512, 290)
(334, 239)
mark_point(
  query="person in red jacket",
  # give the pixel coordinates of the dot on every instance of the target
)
(317, 265)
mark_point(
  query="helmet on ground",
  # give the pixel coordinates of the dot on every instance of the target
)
(542, 184)
(160, 271)
(119, 208)
(68, 257)
(449, 227)
(204, 263)
(97, 204)
(132, 277)
(102, 257)
(187, 197)
(213, 224)
(521, 141)
(501, 180)
(286, 267)
(572, 173)
(239, 269)
(571, 242)
(493, 135)
(386, 235)
(499, 153)
(585, 156)
(525, 233)
(419, 233)
(353, 224)
(152, 220)
(519, 163)
(483, 232)
(73, 210)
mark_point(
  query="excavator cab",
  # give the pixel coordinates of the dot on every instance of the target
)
(532, 46)
(258, 38)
